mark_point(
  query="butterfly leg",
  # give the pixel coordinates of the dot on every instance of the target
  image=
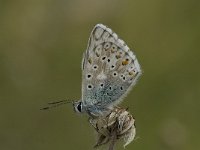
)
(102, 140)
(113, 140)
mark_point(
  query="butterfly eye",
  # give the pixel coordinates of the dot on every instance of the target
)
(121, 88)
(79, 107)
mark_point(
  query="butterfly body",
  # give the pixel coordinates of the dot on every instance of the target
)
(110, 69)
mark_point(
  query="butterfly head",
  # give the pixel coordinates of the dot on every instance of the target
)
(78, 106)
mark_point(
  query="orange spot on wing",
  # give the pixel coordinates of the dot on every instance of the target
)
(125, 62)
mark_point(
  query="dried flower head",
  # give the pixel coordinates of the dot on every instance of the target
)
(119, 124)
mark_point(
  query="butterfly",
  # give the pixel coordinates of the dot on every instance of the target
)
(109, 71)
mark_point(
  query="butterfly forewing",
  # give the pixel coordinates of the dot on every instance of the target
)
(110, 69)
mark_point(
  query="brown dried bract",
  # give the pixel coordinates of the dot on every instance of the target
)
(116, 125)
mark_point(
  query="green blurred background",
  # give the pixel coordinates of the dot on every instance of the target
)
(41, 47)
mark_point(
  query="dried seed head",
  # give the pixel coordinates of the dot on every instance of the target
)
(119, 124)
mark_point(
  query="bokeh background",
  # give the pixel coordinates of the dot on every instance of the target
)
(41, 47)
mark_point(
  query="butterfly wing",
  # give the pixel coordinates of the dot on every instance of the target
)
(110, 69)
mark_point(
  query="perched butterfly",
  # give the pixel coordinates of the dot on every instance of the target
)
(110, 69)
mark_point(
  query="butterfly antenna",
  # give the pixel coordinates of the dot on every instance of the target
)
(56, 104)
